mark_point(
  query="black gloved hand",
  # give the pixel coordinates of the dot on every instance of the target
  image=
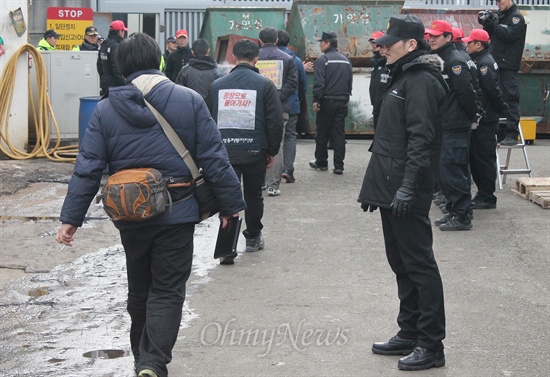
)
(368, 207)
(403, 200)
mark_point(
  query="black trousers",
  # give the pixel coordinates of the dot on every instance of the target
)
(158, 260)
(454, 171)
(419, 287)
(483, 161)
(509, 86)
(252, 176)
(331, 125)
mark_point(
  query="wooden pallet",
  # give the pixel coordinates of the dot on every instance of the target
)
(541, 197)
(525, 185)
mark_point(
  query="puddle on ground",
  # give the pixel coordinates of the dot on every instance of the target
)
(45, 218)
(34, 293)
(106, 354)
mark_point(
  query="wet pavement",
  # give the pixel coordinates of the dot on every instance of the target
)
(310, 304)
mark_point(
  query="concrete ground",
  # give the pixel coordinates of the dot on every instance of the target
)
(313, 302)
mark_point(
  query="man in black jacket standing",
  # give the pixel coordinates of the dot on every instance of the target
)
(378, 78)
(507, 30)
(461, 111)
(90, 40)
(280, 68)
(332, 84)
(201, 71)
(107, 66)
(246, 107)
(179, 58)
(399, 180)
(483, 143)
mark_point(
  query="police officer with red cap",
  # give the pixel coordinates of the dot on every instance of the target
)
(461, 111)
(483, 143)
(107, 67)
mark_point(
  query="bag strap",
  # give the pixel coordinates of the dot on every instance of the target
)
(145, 83)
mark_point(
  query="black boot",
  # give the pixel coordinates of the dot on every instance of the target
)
(394, 346)
(422, 358)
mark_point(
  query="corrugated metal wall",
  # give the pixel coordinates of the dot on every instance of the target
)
(190, 20)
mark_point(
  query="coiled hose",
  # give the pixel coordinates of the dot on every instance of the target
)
(40, 113)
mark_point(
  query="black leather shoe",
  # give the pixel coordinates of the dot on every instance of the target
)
(338, 171)
(422, 358)
(229, 259)
(313, 164)
(394, 346)
(480, 204)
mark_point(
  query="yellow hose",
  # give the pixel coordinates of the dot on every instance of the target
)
(41, 120)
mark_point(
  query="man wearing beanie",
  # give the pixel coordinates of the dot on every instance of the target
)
(399, 181)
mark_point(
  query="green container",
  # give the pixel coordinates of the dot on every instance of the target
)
(245, 21)
(534, 97)
(353, 22)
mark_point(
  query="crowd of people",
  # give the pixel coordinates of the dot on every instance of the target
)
(437, 97)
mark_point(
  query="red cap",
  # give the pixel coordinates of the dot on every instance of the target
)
(182, 32)
(458, 34)
(375, 35)
(118, 25)
(477, 35)
(439, 27)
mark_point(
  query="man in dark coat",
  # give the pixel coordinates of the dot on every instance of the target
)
(249, 114)
(332, 85)
(107, 66)
(90, 40)
(378, 78)
(282, 70)
(399, 180)
(483, 143)
(179, 58)
(201, 71)
(461, 111)
(507, 30)
(123, 133)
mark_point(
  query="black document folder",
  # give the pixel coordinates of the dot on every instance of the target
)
(228, 237)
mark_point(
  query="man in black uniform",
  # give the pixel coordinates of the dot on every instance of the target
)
(399, 180)
(107, 67)
(483, 143)
(332, 86)
(179, 58)
(90, 40)
(507, 30)
(461, 110)
(378, 78)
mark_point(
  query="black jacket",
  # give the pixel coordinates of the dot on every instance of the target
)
(378, 82)
(491, 97)
(333, 77)
(107, 67)
(199, 74)
(176, 61)
(86, 46)
(408, 132)
(507, 32)
(461, 102)
(248, 141)
(290, 73)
